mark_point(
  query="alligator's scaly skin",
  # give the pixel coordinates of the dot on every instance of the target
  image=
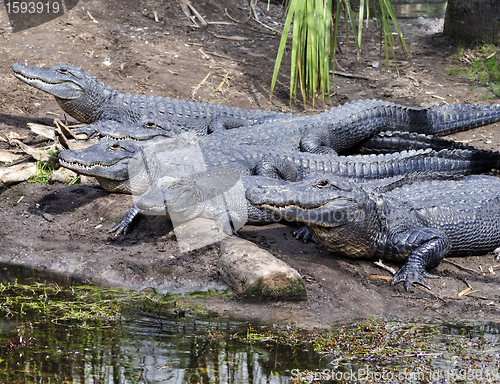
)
(88, 100)
(419, 223)
(395, 141)
(341, 128)
(110, 161)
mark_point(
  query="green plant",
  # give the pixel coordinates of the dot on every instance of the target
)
(43, 173)
(74, 180)
(480, 65)
(315, 32)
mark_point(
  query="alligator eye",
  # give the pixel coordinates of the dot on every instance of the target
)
(115, 146)
(323, 184)
(64, 71)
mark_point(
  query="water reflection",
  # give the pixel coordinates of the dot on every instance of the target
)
(140, 351)
(158, 346)
(413, 9)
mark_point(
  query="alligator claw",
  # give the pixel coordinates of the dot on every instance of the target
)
(123, 225)
(304, 234)
(119, 228)
(412, 273)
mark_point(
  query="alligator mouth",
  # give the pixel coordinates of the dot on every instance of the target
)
(83, 167)
(132, 138)
(291, 206)
(32, 79)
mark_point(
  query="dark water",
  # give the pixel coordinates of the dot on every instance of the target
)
(150, 346)
(141, 346)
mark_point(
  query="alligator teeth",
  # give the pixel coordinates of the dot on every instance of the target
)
(29, 79)
(128, 138)
(69, 164)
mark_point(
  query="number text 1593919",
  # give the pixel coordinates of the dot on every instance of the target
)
(32, 7)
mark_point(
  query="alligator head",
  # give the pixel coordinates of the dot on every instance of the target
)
(108, 160)
(131, 166)
(79, 94)
(340, 214)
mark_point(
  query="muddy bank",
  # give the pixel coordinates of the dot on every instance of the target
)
(64, 228)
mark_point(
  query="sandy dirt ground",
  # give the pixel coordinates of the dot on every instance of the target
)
(151, 47)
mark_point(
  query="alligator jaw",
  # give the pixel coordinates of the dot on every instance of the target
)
(329, 214)
(103, 170)
(49, 81)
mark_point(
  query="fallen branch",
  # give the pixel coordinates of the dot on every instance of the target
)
(189, 11)
(236, 38)
(201, 83)
(352, 76)
(237, 21)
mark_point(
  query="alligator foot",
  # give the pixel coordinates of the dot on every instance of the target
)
(89, 130)
(123, 225)
(413, 273)
(303, 234)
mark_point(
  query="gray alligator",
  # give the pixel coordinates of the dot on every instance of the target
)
(88, 100)
(336, 130)
(419, 223)
(133, 167)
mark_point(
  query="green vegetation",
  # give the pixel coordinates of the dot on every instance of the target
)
(86, 304)
(43, 173)
(479, 65)
(395, 349)
(316, 25)
(99, 331)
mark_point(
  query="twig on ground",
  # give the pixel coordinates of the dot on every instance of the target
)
(350, 75)
(201, 83)
(386, 267)
(238, 21)
(224, 80)
(462, 267)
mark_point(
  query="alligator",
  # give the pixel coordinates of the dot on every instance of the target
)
(418, 223)
(89, 101)
(380, 143)
(336, 130)
(212, 194)
(132, 167)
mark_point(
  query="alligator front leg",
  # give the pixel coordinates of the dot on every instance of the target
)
(123, 225)
(222, 123)
(317, 141)
(427, 246)
(94, 129)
